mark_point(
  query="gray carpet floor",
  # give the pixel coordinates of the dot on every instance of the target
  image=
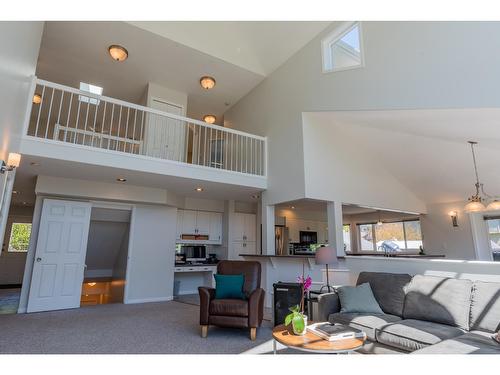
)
(163, 327)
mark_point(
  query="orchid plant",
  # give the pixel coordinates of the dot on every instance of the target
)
(296, 316)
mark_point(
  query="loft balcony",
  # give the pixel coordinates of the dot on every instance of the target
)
(71, 124)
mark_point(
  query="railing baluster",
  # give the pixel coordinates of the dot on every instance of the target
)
(58, 116)
(77, 120)
(86, 120)
(94, 126)
(141, 135)
(102, 124)
(50, 111)
(39, 112)
(119, 126)
(126, 131)
(111, 124)
(133, 132)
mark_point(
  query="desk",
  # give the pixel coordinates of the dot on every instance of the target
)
(191, 276)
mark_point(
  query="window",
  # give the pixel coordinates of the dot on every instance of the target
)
(93, 90)
(347, 237)
(493, 225)
(342, 49)
(390, 237)
(19, 237)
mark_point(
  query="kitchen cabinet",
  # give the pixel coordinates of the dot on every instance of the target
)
(295, 226)
(199, 223)
(244, 233)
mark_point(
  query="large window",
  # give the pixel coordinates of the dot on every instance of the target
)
(494, 237)
(19, 237)
(390, 237)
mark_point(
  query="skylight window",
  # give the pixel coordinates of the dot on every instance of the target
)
(93, 89)
(342, 49)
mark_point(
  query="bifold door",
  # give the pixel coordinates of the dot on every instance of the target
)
(57, 277)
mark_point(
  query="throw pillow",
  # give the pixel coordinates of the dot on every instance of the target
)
(358, 299)
(229, 286)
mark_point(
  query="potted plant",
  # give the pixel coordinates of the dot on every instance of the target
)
(297, 318)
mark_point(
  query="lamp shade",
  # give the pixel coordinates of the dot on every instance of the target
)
(14, 160)
(474, 206)
(326, 255)
(495, 205)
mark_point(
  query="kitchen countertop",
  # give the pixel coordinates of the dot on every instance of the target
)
(196, 265)
(410, 256)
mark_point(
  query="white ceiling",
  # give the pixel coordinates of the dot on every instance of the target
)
(427, 150)
(257, 46)
(26, 178)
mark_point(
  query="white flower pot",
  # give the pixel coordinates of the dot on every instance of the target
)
(304, 330)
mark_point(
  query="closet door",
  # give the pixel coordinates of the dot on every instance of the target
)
(56, 281)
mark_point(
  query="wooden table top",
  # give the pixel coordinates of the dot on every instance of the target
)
(313, 343)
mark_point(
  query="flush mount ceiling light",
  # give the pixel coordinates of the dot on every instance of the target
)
(118, 53)
(13, 162)
(207, 82)
(210, 119)
(199, 189)
(121, 179)
(37, 99)
(476, 201)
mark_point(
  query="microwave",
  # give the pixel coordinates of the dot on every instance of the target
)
(194, 253)
(308, 238)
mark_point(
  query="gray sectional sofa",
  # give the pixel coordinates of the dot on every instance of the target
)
(423, 314)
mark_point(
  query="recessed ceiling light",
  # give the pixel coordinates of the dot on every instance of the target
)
(118, 53)
(121, 179)
(199, 189)
(35, 164)
(207, 82)
(209, 119)
(37, 99)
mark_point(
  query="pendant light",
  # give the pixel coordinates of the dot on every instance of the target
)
(476, 201)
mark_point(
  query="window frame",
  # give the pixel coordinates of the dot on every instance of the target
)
(349, 225)
(337, 34)
(373, 225)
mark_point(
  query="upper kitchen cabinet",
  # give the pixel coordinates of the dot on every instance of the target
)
(244, 228)
(199, 227)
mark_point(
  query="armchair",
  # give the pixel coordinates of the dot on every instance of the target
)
(236, 313)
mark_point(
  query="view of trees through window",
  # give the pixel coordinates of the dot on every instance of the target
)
(494, 237)
(20, 237)
(389, 237)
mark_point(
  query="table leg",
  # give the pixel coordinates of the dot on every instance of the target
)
(274, 346)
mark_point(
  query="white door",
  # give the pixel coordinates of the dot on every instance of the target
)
(215, 227)
(57, 277)
(165, 137)
(189, 222)
(203, 223)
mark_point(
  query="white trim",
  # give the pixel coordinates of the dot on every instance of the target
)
(129, 252)
(111, 205)
(146, 300)
(333, 37)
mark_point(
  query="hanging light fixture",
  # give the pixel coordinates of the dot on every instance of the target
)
(118, 53)
(476, 201)
(207, 82)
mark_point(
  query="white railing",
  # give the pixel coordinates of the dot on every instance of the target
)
(69, 115)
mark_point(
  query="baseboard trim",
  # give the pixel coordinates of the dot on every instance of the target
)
(146, 300)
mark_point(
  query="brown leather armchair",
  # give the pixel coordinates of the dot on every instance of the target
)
(237, 313)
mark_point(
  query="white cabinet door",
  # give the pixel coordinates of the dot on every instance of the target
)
(203, 223)
(215, 235)
(180, 214)
(293, 230)
(56, 281)
(235, 249)
(238, 227)
(249, 247)
(250, 227)
(189, 222)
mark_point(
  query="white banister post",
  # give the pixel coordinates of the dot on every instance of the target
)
(335, 226)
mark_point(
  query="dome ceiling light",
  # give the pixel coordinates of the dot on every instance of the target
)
(210, 119)
(207, 82)
(118, 53)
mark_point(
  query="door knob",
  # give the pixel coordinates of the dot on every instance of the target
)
(38, 259)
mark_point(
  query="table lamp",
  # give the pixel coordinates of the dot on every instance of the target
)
(326, 255)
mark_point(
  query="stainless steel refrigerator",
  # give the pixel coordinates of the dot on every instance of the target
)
(281, 240)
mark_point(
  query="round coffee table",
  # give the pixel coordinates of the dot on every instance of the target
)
(312, 343)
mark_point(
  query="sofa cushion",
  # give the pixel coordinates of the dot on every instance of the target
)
(485, 306)
(229, 307)
(412, 334)
(358, 299)
(438, 299)
(388, 289)
(365, 322)
(473, 342)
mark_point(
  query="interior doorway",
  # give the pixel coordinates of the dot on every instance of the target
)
(106, 258)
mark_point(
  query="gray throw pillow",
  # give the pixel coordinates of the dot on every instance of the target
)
(358, 299)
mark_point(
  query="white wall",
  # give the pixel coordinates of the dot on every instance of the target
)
(150, 272)
(440, 237)
(408, 65)
(20, 43)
